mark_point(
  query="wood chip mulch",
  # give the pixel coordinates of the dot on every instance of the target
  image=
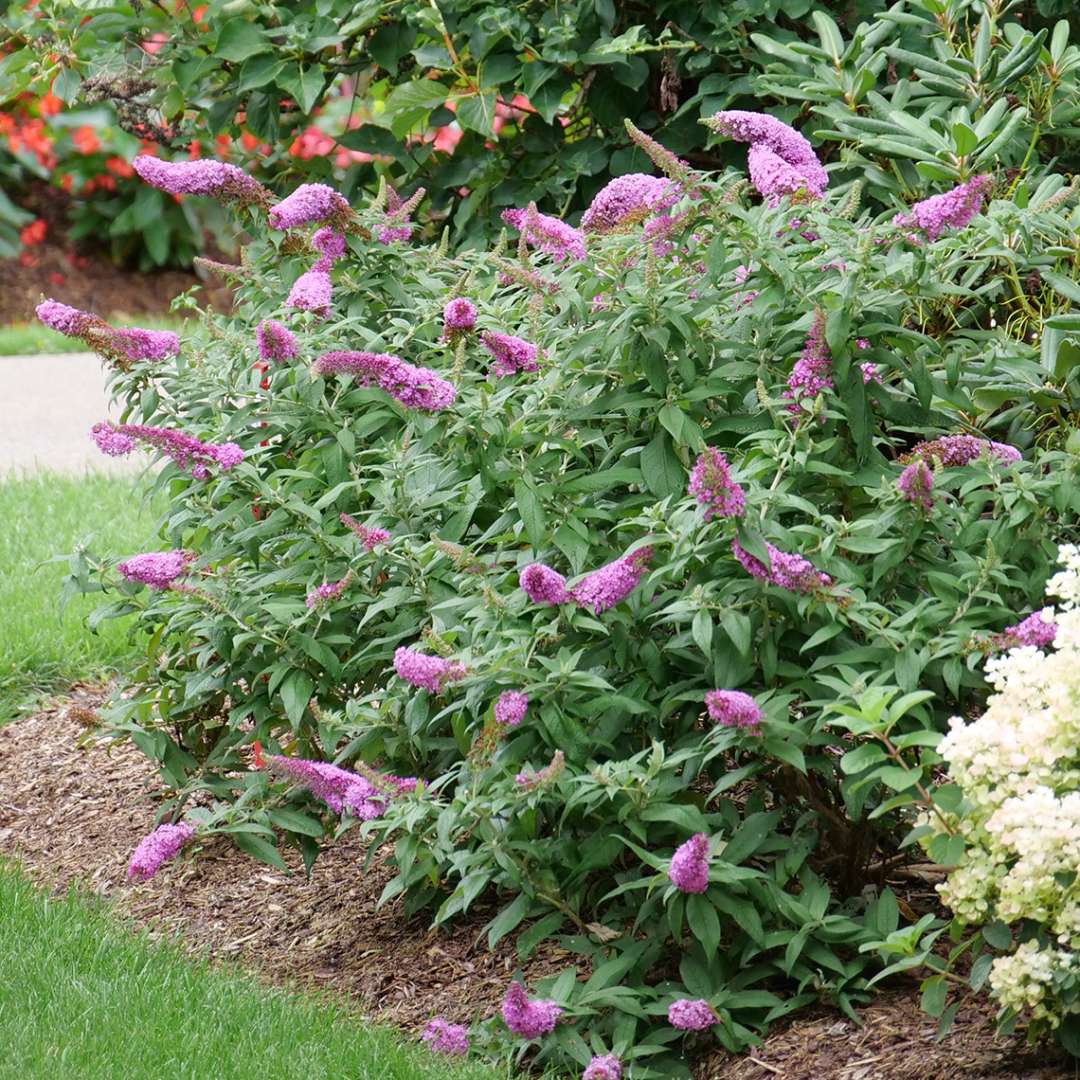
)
(72, 808)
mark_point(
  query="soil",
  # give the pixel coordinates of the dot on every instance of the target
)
(72, 808)
(85, 280)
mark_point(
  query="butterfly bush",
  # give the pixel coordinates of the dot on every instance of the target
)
(478, 539)
(1016, 766)
(156, 849)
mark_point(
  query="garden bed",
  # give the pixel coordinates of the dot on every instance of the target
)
(72, 808)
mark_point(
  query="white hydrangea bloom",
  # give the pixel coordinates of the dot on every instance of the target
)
(1018, 766)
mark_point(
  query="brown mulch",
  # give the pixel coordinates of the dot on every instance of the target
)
(72, 809)
(86, 280)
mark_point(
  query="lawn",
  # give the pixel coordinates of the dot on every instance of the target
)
(83, 998)
(44, 516)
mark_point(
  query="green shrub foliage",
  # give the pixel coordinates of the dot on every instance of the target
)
(683, 329)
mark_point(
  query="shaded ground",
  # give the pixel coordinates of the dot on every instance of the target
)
(72, 809)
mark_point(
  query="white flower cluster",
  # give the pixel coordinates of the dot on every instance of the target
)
(1018, 766)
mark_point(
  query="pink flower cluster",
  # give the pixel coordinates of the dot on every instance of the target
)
(187, 452)
(397, 219)
(689, 1014)
(529, 1019)
(549, 234)
(430, 673)
(916, 485)
(512, 354)
(446, 1038)
(364, 795)
(1038, 630)
(628, 199)
(369, 535)
(328, 591)
(689, 867)
(328, 242)
(415, 387)
(812, 372)
(200, 177)
(733, 708)
(157, 848)
(276, 342)
(950, 210)
(510, 708)
(603, 1067)
(459, 315)
(156, 569)
(604, 588)
(711, 484)
(780, 160)
(308, 203)
(543, 585)
(312, 291)
(128, 343)
(791, 572)
(956, 450)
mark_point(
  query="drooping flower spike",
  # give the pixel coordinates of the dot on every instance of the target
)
(121, 345)
(201, 177)
(415, 387)
(430, 673)
(156, 569)
(791, 572)
(156, 849)
(951, 210)
(187, 452)
(689, 867)
(627, 200)
(307, 204)
(529, 1019)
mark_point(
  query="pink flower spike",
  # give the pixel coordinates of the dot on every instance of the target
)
(733, 708)
(430, 673)
(157, 848)
(529, 1019)
(689, 1014)
(446, 1038)
(689, 868)
(603, 1067)
(510, 708)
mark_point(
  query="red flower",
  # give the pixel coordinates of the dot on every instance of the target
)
(56, 278)
(49, 105)
(259, 760)
(86, 140)
(119, 167)
(33, 234)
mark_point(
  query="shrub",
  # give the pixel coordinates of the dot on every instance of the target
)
(492, 106)
(1010, 814)
(598, 558)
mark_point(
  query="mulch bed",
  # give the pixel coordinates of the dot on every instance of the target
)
(72, 809)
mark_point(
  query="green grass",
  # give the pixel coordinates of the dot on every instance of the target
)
(82, 998)
(22, 339)
(46, 515)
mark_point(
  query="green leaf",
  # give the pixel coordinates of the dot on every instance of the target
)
(295, 694)
(258, 848)
(507, 919)
(285, 817)
(862, 757)
(704, 923)
(935, 991)
(477, 112)
(529, 938)
(997, 935)
(531, 512)
(304, 85)
(702, 631)
(240, 40)
(409, 104)
(664, 474)
(738, 628)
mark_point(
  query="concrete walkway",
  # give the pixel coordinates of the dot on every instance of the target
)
(48, 404)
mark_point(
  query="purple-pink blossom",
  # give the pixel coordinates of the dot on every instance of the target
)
(529, 1019)
(157, 848)
(327, 591)
(365, 794)
(733, 708)
(780, 160)
(627, 200)
(156, 569)
(1039, 630)
(137, 344)
(549, 234)
(530, 781)
(307, 204)
(187, 452)
(200, 177)
(328, 242)
(604, 588)
(276, 342)
(415, 387)
(955, 450)
(397, 218)
(870, 372)
(369, 535)
(512, 354)
(128, 343)
(950, 210)
(812, 372)
(64, 319)
(459, 315)
(430, 673)
(543, 585)
(446, 1038)
(712, 486)
(510, 708)
(689, 867)
(690, 1014)
(916, 485)
(312, 291)
(603, 1067)
(791, 572)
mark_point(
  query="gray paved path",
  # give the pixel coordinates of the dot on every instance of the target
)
(48, 404)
